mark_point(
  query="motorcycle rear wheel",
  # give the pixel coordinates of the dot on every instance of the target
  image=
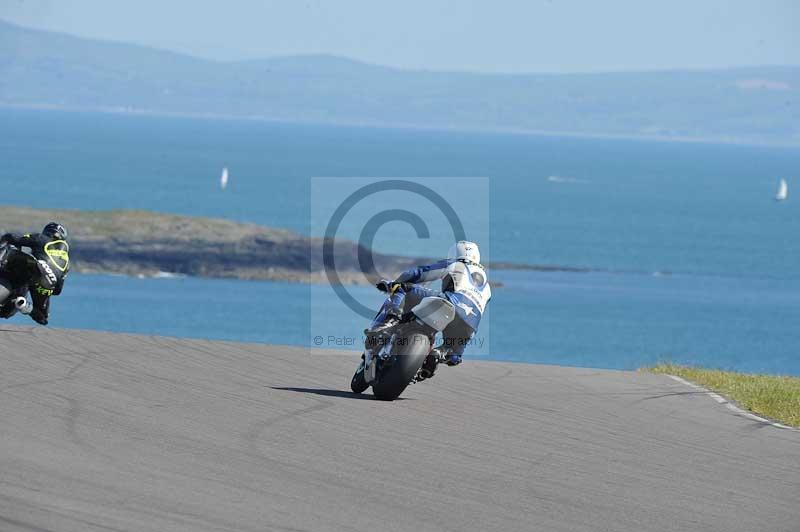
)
(409, 353)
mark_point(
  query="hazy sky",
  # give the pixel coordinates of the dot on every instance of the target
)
(506, 36)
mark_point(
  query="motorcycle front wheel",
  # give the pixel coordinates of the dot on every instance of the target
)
(357, 383)
(5, 290)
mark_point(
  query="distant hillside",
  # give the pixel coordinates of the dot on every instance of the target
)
(759, 104)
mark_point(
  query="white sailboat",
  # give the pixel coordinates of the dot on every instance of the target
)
(783, 191)
(223, 179)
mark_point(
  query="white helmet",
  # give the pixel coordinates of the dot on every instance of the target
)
(465, 251)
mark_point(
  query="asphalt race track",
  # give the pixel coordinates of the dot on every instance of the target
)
(108, 432)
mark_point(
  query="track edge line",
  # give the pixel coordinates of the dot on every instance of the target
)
(731, 405)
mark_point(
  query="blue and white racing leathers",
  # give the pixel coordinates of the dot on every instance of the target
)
(464, 284)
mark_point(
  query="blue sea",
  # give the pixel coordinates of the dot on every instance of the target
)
(691, 259)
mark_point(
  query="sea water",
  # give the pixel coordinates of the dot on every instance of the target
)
(692, 260)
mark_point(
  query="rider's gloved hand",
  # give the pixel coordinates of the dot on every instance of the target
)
(383, 285)
(388, 286)
(451, 359)
(38, 316)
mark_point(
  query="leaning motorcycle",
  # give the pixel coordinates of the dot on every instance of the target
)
(398, 354)
(18, 269)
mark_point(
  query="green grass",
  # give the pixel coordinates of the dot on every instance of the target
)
(773, 396)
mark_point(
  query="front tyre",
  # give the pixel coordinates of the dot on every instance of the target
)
(5, 292)
(357, 383)
(409, 353)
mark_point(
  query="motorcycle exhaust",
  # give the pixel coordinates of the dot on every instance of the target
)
(23, 305)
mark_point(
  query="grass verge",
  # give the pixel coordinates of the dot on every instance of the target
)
(773, 396)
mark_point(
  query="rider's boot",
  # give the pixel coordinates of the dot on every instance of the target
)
(428, 367)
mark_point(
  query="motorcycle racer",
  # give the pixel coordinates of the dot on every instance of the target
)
(42, 273)
(464, 284)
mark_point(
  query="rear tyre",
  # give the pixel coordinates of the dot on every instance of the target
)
(409, 354)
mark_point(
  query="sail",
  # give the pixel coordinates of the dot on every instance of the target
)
(223, 179)
(783, 191)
